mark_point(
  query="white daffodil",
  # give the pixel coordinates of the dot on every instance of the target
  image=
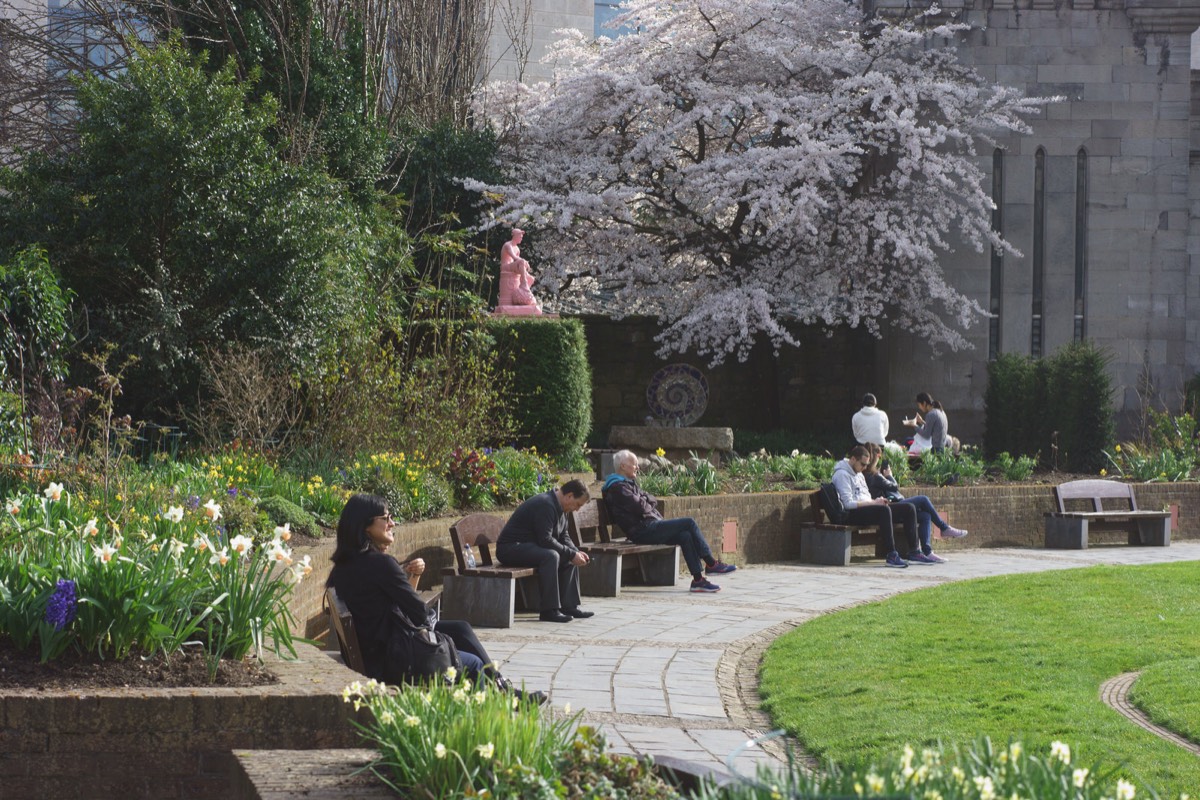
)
(90, 529)
(460, 695)
(177, 548)
(451, 674)
(212, 510)
(242, 545)
(1079, 777)
(278, 552)
(53, 491)
(1061, 751)
(175, 514)
(104, 553)
(1125, 790)
(566, 708)
(875, 783)
(985, 787)
(14, 507)
(284, 531)
(386, 717)
(219, 557)
(485, 750)
(412, 721)
(439, 750)
(201, 543)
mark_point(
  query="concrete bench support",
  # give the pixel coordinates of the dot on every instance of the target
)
(602, 576)
(485, 602)
(659, 567)
(825, 545)
(1066, 533)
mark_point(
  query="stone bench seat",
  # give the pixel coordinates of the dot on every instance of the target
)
(1069, 529)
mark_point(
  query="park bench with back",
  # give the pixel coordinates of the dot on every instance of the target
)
(824, 542)
(1069, 529)
(617, 562)
(341, 625)
(484, 594)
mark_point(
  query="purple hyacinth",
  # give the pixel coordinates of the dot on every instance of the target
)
(232, 491)
(60, 611)
(193, 501)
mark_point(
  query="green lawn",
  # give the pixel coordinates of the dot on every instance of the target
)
(1019, 656)
(1169, 693)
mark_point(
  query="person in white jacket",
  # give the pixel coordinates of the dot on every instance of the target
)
(862, 509)
(870, 424)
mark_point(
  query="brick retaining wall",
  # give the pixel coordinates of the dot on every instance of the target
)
(166, 743)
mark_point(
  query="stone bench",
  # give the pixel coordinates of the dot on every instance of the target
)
(591, 530)
(823, 542)
(1068, 530)
(483, 594)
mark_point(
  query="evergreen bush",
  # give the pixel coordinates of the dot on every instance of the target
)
(551, 381)
(282, 511)
(1057, 408)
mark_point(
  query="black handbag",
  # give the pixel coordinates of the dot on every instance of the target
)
(416, 653)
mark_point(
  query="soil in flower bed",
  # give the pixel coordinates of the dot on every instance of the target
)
(22, 669)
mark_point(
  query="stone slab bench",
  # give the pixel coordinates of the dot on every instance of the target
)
(823, 542)
(1068, 530)
(612, 560)
(484, 594)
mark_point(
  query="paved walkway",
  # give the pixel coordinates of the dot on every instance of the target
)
(666, 672)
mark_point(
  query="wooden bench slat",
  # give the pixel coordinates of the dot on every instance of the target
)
(1068, 529)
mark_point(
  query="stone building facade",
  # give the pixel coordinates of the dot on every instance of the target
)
(1103, 200)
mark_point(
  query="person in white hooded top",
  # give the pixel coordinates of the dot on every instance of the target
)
(870, 424)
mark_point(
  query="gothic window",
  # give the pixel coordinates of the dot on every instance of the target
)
(1081, 242)
(1036, 343)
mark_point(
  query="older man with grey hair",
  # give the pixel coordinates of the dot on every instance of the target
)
(636, 512)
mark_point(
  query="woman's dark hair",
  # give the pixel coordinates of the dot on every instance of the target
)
(924, 397)
(938, 405)
(352, 525)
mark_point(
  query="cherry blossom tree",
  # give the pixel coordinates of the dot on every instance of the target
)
(738, 165)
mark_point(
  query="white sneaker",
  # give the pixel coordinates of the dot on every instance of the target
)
(953, 533)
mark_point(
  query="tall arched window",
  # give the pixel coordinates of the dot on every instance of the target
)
(997, 283)
(1081, 241)
(1039, 251)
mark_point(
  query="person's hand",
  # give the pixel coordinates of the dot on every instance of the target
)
(415, 567)
(881, 501)
(580, 559)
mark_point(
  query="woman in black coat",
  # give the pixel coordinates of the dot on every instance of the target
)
(373, 584)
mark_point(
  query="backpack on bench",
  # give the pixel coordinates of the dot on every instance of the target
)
(832, 504)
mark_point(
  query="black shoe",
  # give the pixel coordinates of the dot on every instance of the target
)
(554, 616)
(578, 613)
(531, 697)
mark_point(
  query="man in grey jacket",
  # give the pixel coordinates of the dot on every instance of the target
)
(862, 509)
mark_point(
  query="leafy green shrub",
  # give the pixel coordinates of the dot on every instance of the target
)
(1060, 407)
(184, 228)
(472, 478)
(1014, 469)
(551, 381)
(281, 511)
(944, 468)
(1008, 424)
(520, 474)
(982, 772)
(1079, 402)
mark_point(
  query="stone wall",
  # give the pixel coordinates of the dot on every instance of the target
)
(806, 388)
(166, 743)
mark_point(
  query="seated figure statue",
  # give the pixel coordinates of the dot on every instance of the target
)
(516, 298)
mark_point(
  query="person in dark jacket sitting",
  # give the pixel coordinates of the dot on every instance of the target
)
(636, 513)
(373, 585)
(536, 536)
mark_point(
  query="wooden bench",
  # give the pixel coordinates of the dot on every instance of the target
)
(1068, 530)
(823, 542)
(485, 594)
(591, 530)
(341, 624)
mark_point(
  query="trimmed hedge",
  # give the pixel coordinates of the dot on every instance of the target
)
(551, 380)
(1058, 409)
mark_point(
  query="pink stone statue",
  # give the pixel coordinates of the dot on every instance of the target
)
(516, 298)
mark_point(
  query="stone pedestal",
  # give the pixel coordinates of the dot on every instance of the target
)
(677, 443)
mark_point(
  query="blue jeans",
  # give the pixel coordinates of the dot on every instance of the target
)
(926, 514)
(683, 532)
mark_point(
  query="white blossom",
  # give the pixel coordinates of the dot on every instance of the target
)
(738, 165)
(174, 514)
(53, 491)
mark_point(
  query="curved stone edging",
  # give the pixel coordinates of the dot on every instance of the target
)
(1115, 694)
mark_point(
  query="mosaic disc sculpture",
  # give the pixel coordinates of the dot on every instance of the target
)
(678, 394)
